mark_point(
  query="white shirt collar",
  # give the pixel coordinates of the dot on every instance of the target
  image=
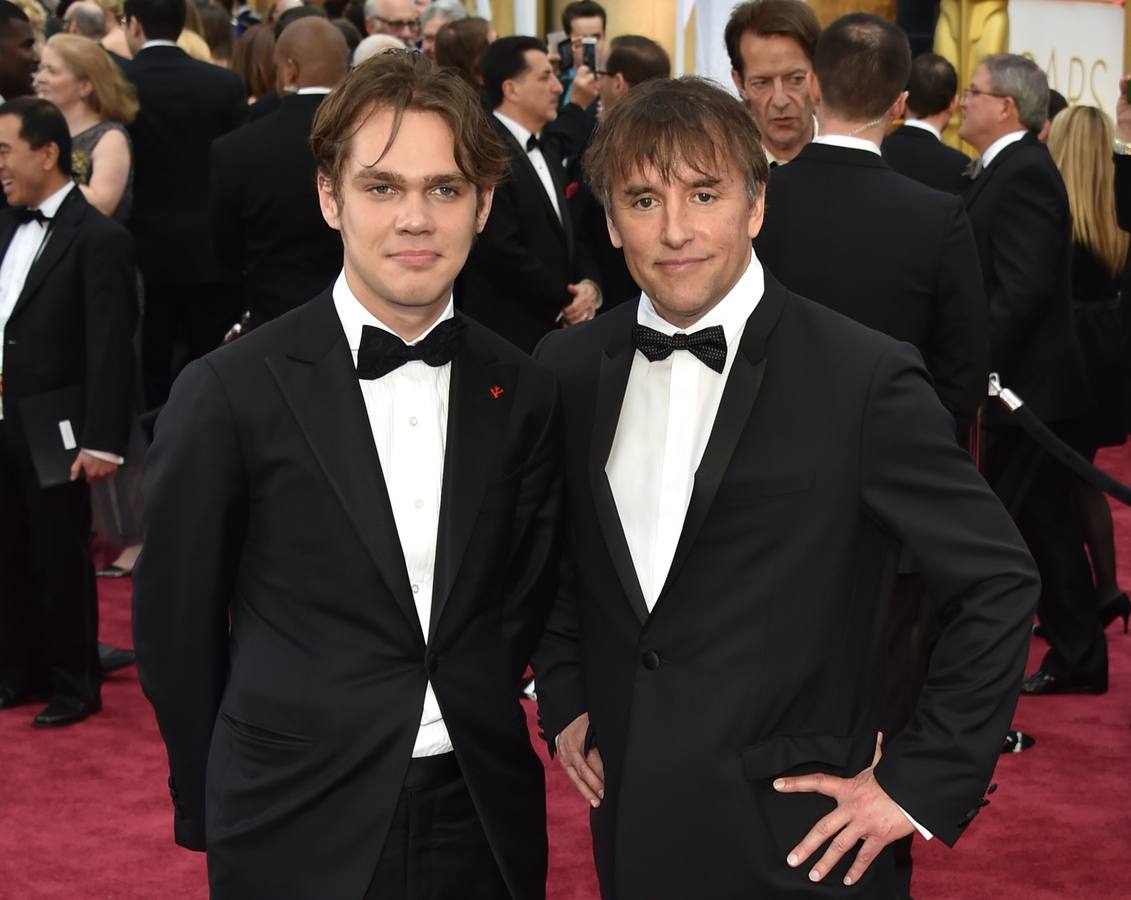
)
(50, 206)
(302, 92)
(158, 43)
(925, 126)
(848, 142)
(731, 312)
(354, 315)
(520, 132)
(1000, 144)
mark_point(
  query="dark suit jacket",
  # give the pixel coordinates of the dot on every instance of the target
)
(266, 221)
(516, 276)
(1019, 209)
(185, 105)
(73, 323)
(289, 737)
(764, 654)
(845, 230)
(918, 154)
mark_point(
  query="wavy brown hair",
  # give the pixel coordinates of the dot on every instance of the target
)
(404, 81)
(112, 96)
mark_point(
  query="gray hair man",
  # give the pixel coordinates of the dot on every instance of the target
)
(435, 16)
(85, 18)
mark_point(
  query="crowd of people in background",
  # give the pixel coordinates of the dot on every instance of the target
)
(164, 199)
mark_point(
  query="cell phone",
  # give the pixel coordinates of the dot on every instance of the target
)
(589, 53)
(565, 51)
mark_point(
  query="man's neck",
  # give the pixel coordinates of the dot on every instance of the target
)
(54, 184)
(872, 130)
(938, 121)
(992, 139)
(406, 322)
(531, 124)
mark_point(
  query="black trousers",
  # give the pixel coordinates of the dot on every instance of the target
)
(436, 848)
(48, 599)
(1037, 492)
(182, 322)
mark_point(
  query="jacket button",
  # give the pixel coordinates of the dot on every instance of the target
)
(651, 660)
(431, 663)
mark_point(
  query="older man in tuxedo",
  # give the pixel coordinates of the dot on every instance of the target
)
(350, 545)
(743, 467)
(68, 301)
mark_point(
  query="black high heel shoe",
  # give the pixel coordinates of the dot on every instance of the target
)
(1116, 607)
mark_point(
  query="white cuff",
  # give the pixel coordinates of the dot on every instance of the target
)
(923, 831)
(104, 456)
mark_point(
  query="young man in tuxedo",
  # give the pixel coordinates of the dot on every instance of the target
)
(351, 520)
(915, 148)
(68, 302)
(742, 469)
(1019, 209)
(266, 222)
(527, 273)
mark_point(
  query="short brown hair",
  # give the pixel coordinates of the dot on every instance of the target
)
(767, 18)
(862, 64)
(460, 46)
(254, 60)
(404, 80)
(664, 123)
(638, 59)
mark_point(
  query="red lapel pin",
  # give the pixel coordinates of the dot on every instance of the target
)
(496, 392)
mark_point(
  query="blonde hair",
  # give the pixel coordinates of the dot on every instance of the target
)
(115, 7)
(112, 96)
(1080, 144)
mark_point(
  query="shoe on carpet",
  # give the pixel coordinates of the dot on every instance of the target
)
(1118, 607)
(1017, 741)
(64, 710)
(110, 659)
(1042, 682)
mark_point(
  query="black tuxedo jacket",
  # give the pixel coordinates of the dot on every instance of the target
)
(266, 221)
(845, 230)
(290, 734)
(516, 276)
(918, 154)
(185, 105)
(1019, 209)
(73, 323)
(765, 651)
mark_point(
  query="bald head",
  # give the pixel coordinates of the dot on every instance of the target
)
(310, 53)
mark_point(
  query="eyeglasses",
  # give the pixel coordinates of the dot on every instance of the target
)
(974, 92)
(414, 24)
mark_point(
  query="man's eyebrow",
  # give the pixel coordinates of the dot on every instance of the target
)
(445, 178)
(706, 181)
(635, 190)
(395, 178)
(379, 175)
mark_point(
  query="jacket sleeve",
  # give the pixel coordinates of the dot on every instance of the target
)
(982, 584)
(195, 517)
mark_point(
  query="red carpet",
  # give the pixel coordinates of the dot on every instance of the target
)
(84, 812)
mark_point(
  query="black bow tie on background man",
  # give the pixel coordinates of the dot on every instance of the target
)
(25, 215)
(533, 143)
(708, 345)
(382, 352)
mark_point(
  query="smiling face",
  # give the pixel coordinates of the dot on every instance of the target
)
(56, 82)
(28, 176)
(407, 217)
(687, 240)
(774, 84)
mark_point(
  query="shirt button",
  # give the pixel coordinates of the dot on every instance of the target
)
(651, 660)
(412, 420)
(419, 504)
(416, 588)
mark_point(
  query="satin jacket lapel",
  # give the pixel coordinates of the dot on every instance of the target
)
(616, 363)
(523, 168)
(739, 396)
(319, 382)
(557, 176)
(479, 405)
(60, 234)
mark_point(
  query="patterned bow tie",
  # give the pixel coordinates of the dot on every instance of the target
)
(708, 345)
(382, 352)
(973, 168)
(533, 143)
(25, 215)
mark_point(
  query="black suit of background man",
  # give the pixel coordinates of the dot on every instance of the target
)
(190, 299)
(1019, 209)
(918, 154)
(845, 230)
(71, 326)
(266, 222)
(516, 276)
(284, 654)
(764, 654)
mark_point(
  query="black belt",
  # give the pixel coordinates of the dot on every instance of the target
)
(431, 771)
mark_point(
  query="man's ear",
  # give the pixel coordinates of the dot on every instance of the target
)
(484, 210)
(328, 202)
(757, 214)
(614, 235)
(899, 108)
(738, 85)
(50, 156)
(814, 87)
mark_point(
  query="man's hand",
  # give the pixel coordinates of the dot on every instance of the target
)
(1123, 112)
(584, 89)
(91, 468)
(864, 812)
(585, 770)
(584, 305)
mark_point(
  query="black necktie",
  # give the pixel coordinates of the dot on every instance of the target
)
(382, 352)
(708, 345)
(533, 143)
(25, 215)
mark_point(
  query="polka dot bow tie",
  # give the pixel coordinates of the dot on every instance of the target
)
(708, 345)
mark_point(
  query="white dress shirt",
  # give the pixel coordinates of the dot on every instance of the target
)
(156, 43)
(849, 142)
(668, 411)
(925, 126)
(408, 414)
(522, 135)
(1000, 144)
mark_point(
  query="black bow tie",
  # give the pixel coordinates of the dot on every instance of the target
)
(533, 143)
(382, 352)
(25, 215)
(708, 345)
